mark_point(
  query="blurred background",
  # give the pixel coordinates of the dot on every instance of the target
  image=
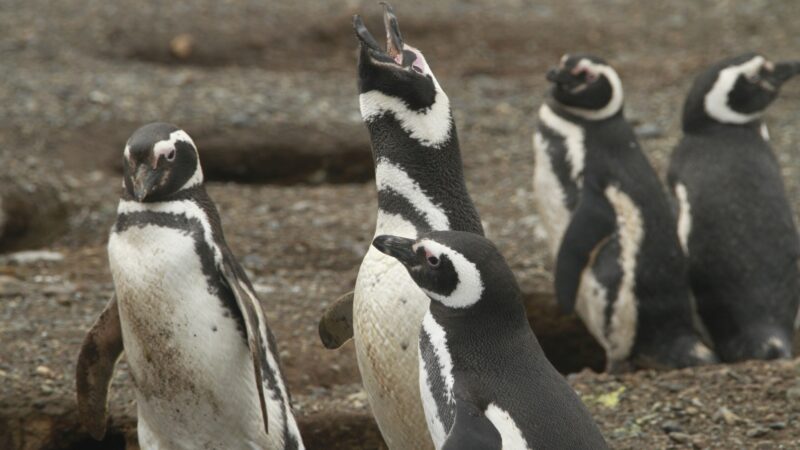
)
(267, 90)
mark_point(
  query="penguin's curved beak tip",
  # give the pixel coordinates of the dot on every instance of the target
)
(394, 40)
(397, 247)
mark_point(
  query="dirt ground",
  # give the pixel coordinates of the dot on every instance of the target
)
(267, 90)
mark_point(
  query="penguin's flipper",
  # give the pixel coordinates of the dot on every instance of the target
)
(250, 307)
(336, 324)
(99, 353)
(592, 223)
(472, 430)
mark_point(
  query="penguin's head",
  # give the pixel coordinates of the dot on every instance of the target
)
(399, 71)
(454, 268)
(736, 90)
(587, 87)
(159, 159)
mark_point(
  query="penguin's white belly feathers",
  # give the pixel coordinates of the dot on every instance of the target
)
(549, 195)
(387, 312)
(190, 362)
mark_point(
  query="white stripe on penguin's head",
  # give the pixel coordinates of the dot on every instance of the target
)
(167, 146)
(469, 288)
(716, 102)
(617, 94)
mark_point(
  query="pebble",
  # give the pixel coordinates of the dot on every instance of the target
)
(182, 45)
(671, 426)
(34, 256)
(45, 371)
(679, 437)
(725, 414)
(99, 97)
(777, 425)
(757, 431)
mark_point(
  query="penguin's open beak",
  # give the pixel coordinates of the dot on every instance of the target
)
(782, 72)
(394, 41)
(397, 247)
(144, 182)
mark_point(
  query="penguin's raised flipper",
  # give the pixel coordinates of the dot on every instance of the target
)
(99, 353)
(593, 222)
(254, 321)
(472, 430)
(336, 324)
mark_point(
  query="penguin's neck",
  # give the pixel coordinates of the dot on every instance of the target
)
(420, 187)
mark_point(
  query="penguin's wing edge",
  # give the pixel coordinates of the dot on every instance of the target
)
(98, 356)
(336, 324)
(592, 222)
(255, 323)
(472, 430)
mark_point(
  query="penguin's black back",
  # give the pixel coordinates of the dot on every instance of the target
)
(743, 241)
(614, 157)
(498, 360)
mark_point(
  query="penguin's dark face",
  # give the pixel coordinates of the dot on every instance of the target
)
(454, 268)
(736, 90)
(399, 71)
(586, 86)
(159, 159)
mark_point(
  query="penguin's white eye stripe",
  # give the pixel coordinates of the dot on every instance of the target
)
(716, 100)
(470, 285)
(163, 148)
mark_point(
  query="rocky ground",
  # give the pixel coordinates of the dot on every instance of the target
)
(267, 89)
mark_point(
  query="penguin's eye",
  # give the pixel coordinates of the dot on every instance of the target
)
(590, 77)
(433, 261)
(171, 155)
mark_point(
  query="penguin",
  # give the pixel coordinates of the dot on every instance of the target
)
(485, 381)
(734, 219)
(611, 229)
(203, 360)
(420, 186)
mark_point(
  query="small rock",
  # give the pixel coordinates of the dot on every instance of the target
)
(730, 418)
(671, 426)
(648, 131)
(757, 431)
(182, 45)
(793, 394)
(34, 256)
(45, 371)
(691, 411)
(680, 438)
(777, 425)
(99, 97)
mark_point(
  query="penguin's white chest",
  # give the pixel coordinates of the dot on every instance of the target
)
(387, 311)
(190, 362)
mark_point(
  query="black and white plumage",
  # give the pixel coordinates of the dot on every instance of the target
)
(735, 221)
(420, 187)
(485, 381)
(203, 360)
(610, 226)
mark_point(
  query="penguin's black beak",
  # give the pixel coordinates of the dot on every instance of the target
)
(397, 247)
(144, 180)
(563, 77)
(394, 41)
(782, 72)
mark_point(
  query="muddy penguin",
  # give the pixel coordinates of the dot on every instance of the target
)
(485, 381)
(420, 188)
(618, 259)
(735, 221)
(203, 360)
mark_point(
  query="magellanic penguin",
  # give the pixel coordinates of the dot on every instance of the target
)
(420, 187)
(734, 219)
(485, 381)
(204, 363)
(618, 259)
